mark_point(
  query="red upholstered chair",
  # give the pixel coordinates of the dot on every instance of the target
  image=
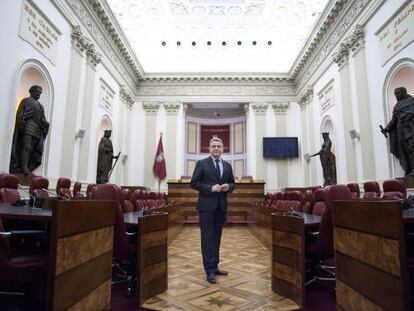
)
(89, 190)
(372, 190)
(354, 188)
(310, 199)
(63, 188)
(185, 177)
(247, 177)
(124, 248)
(323, 247)
(8, 188)
(128, 204)
(319, 205)
(77, 190)
(38, 190)
(297, 200)
(394, 189)
(21, 275)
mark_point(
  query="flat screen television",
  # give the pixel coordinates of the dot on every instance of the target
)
(280, 147)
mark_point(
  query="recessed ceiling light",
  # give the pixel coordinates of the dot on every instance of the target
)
(223, 43)
(254, 42)
(269, 42)
(208, 43)
(193, 43)
(178, 43)
(239, 43)
(164, 43)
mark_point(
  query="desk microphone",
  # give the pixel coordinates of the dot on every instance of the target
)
(56, 195)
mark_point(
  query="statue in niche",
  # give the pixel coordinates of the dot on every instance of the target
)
(401, 130)
(105, 157)
(327, 160)
(30, 131)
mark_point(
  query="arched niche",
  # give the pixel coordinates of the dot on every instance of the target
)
(32, 72)
(401, 74)
(328, 126)
(104, 124)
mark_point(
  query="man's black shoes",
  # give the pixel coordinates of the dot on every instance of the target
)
(211, 278)
(220, 272)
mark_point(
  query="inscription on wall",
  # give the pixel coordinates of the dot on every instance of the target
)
(327, 97)
(106, 96)
(397, 32)
(38, 31)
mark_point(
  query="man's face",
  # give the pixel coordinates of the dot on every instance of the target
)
(35, 93)
(216, 149)
(399, 94)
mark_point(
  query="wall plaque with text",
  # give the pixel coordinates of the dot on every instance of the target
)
(38, 31)
(326, 97)
(397, 32)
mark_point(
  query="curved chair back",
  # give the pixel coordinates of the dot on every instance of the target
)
(62, 187)
(77, 189)
(372, 190)
(319, 205)
(394, 189)
(8, 188)
(89, 190)
(354, 188)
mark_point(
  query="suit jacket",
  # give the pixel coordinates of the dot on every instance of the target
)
(204, 177)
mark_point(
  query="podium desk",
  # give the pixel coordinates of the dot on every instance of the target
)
(239, 201)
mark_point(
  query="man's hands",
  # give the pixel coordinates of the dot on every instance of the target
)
(220, 188)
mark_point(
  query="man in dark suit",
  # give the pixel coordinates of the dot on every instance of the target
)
(213, 179)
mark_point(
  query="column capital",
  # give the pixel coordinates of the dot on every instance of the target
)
(172, 108)
(280, 108)
(305, 97)
(259, 108)
(342, 55)
(126, 96)
(151, 108)
(246, 108)
(79, 40)
(357, 39)
(92, 56)
(185, 108)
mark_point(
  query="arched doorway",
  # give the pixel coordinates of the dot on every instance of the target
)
(400, 75)
(32, 72)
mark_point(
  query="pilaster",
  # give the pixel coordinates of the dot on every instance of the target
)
(259, 114)
(151, 109)
(171, 139)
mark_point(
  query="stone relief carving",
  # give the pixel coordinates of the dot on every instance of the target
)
(357, 39)
(219, 90)
(342, 56)
(280, 108)
(305, 98)
(151, 107)
(79, 40)
(259, 108)
(92, 56)
(126, 97)
(172, 107)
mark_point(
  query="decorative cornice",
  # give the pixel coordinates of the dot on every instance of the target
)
(246, 107)
(79, 40)
(280, 108)
(172, 108)
(92, 56)
(305, 98)
(95, 19)
(259, 108)
(126, 97)
(151, 107)
(334, 27)
(228, 76)
(185, 108)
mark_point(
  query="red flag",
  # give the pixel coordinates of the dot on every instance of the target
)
(159, 163)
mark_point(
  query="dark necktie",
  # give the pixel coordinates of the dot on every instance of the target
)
(217, 168)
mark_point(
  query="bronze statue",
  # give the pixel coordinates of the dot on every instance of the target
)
(327, 160)
(30, 131)
(401, 130)
(105, 157)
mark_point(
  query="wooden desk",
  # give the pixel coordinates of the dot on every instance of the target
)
(24, 212)
(245, 193)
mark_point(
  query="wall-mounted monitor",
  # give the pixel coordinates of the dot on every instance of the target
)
(280, 147)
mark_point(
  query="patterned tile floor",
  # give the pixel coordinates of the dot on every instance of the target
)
(247, 287)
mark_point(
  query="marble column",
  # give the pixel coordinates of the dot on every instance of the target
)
(307, 144)
(366, 141)
(93, 58)
(171, 139)
(280, 110)
(76, 83)
(259, 111)
(126, 104)
(342, 59)
(151, 135)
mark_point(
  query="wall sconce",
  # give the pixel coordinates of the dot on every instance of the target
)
(307, 157)
(80, 134)
(124, 158)
(354, 134)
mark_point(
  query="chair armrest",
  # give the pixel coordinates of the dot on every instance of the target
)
(23, 233)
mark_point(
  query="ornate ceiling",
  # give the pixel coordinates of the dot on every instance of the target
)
(217, 36)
